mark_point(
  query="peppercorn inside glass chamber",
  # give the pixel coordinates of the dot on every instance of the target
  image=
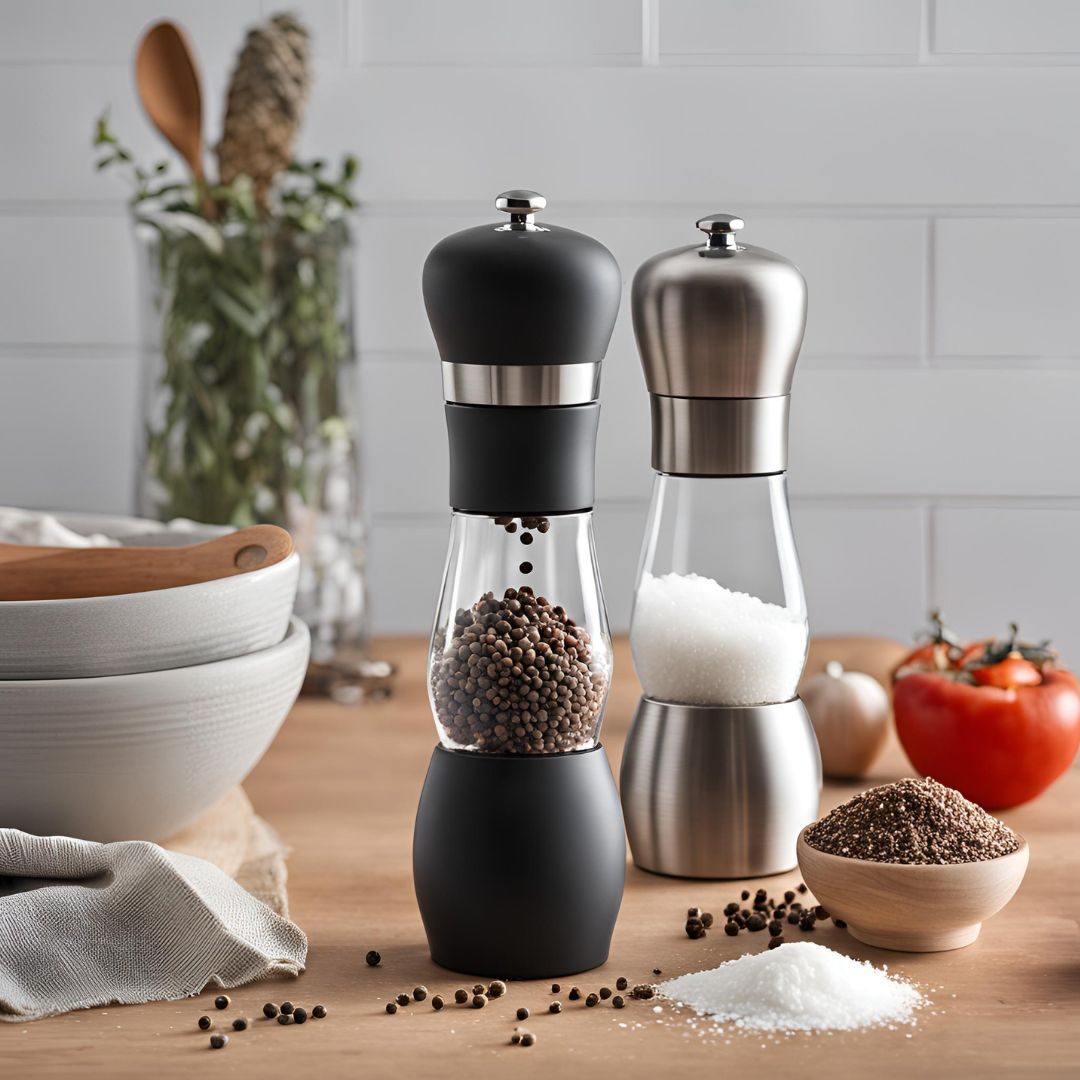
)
(520, 655)
(519, 801)
(721, 768)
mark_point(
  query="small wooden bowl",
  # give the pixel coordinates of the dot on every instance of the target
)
(912, 908)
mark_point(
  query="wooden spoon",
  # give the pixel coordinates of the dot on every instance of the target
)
(51, 573)
(171, 93)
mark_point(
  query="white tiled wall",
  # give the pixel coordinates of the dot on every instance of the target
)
(917, 158)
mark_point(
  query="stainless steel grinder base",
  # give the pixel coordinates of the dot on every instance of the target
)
(719, 791)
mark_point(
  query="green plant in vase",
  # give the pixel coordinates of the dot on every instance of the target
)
(249, 402)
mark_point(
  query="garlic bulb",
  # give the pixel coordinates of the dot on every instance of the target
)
(850, 714)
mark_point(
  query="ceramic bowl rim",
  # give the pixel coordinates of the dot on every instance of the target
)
(912, 869)
(296, 633)
(193, 590)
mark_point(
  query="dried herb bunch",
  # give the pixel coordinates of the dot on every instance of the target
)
(249, 278)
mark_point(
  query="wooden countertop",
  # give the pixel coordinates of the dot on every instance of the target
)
(341, 785)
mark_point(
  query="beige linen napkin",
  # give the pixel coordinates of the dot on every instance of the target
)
(85, 924)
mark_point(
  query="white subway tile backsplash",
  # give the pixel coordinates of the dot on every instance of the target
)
(1005, 26)
(405, 456)
(865, 280)
(67, 432)
(864, 567)
(1006, 288)
(716, 30)
(406, 560)
(823, 136)
(469, 32)
(66, 280)
(996, 565)
(935, 433)
(74, 31)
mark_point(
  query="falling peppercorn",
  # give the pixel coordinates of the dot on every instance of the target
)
(205, 1023)
(373, 958)
(221, 1001)
(789, 896)
(270, 1010)
(219, 1042)
(319, 1012)
(526, 538)
(555, 988)
(746, 894)
(526, 567)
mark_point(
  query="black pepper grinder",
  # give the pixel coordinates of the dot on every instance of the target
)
(519, 852)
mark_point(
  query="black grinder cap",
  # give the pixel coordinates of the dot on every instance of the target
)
(522, 314)
(519, 292)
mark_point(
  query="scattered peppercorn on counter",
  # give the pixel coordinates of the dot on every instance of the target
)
(340, 785)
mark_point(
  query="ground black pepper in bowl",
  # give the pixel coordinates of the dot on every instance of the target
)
(518, 677)
(914, 822)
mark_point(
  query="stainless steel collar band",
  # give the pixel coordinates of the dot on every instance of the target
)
(521, 384)
(719, 436)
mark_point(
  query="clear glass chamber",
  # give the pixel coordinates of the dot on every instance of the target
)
(520, 658)
(719, 613)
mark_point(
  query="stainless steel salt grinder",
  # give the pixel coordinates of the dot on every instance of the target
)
(715, 786)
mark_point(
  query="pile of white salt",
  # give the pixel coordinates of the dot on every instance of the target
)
(698, 643)
(797, 987)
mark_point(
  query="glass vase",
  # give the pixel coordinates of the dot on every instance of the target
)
(250, 398)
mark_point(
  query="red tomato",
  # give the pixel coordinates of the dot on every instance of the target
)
(1007, 673)
(997, 747)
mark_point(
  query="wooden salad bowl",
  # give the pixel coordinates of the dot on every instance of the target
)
(912, 908)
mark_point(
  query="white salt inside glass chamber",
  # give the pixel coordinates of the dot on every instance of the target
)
(719, 615)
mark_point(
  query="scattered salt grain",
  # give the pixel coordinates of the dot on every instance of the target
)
(697, 643)
(798, 987)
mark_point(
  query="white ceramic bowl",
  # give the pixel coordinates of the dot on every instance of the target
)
(147, 631)
(140, 756)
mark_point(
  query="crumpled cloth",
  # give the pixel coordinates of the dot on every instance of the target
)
(85, 924)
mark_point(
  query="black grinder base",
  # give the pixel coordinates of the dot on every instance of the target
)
(519, 862)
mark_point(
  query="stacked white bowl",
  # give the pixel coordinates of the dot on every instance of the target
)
(129, 716)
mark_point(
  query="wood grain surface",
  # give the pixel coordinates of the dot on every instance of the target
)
(341, 785)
